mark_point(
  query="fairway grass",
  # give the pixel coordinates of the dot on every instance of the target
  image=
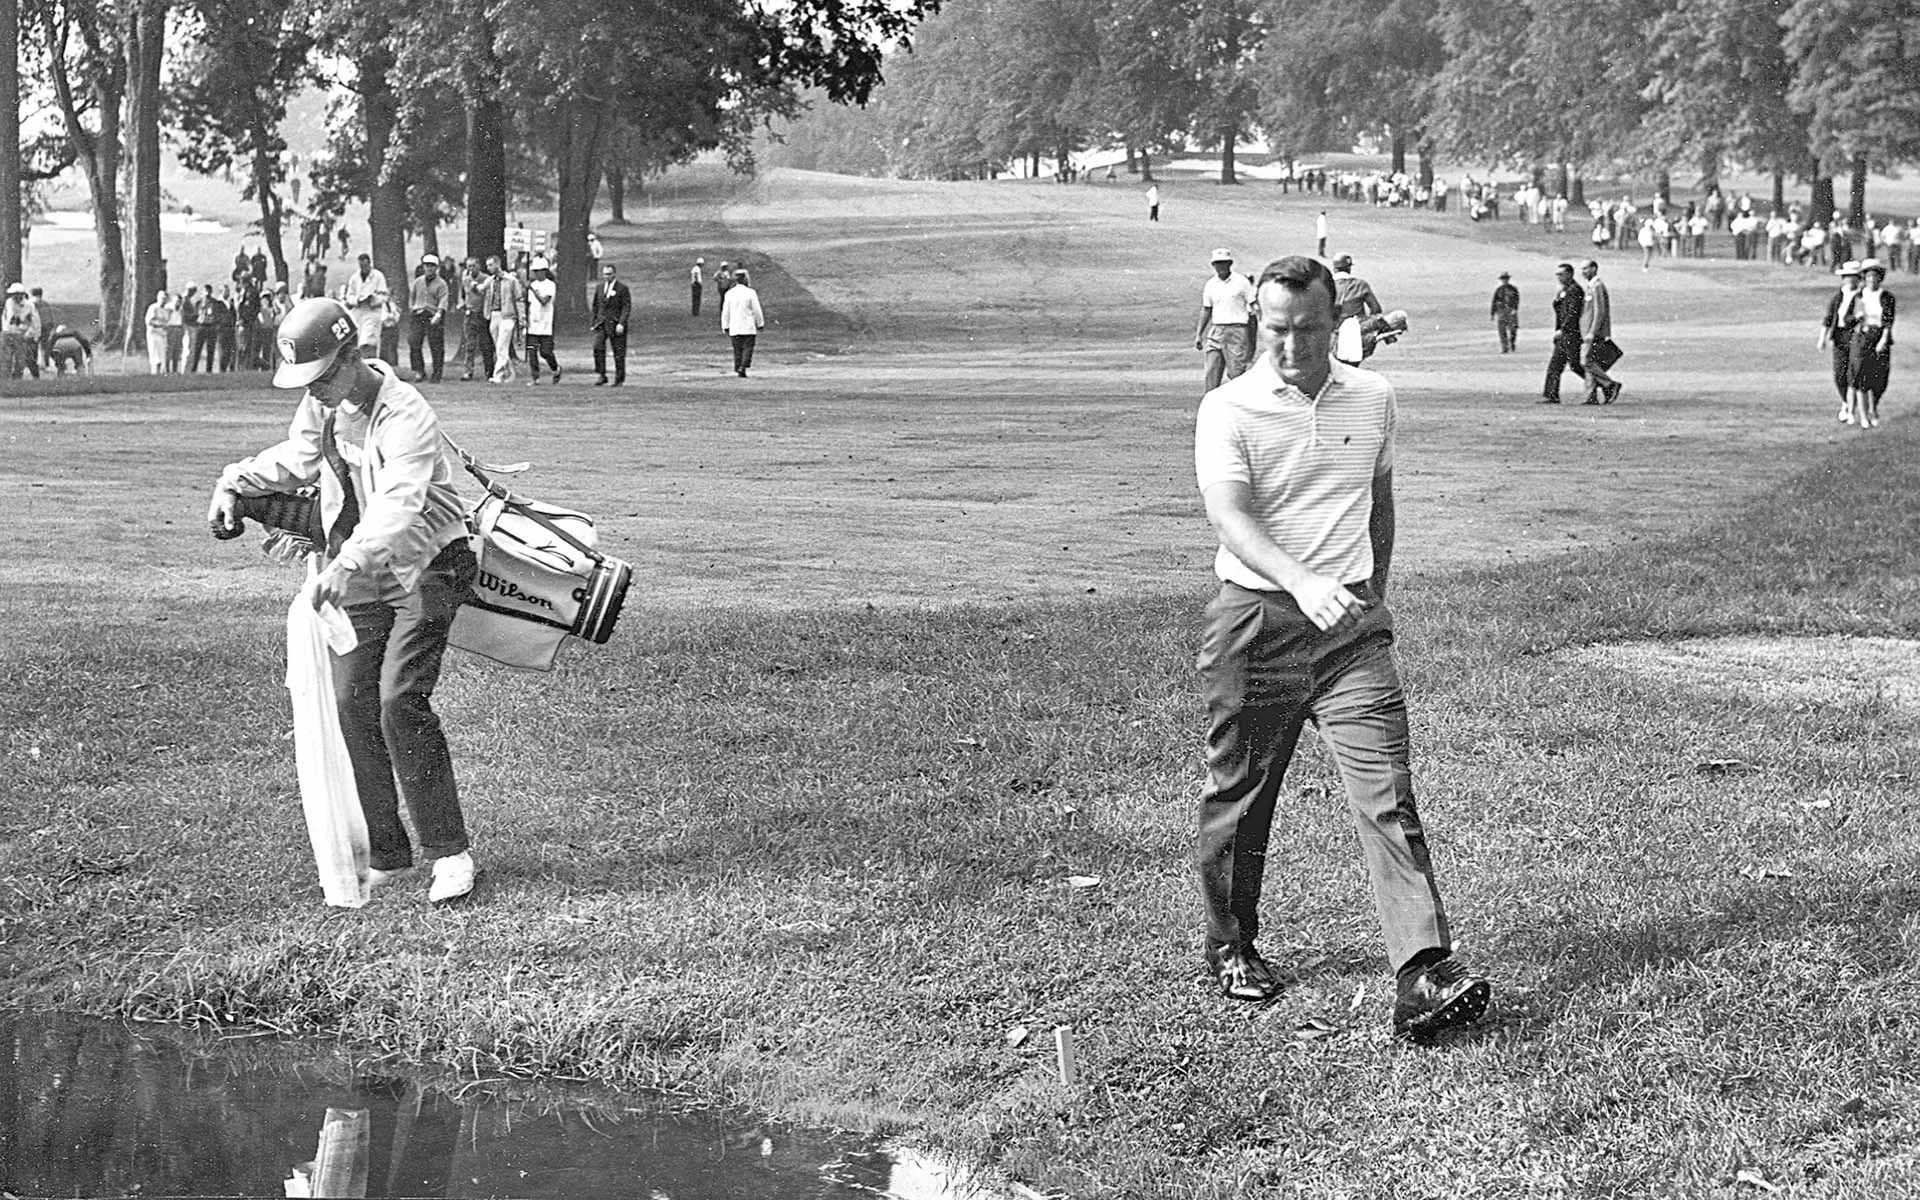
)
(805, 835)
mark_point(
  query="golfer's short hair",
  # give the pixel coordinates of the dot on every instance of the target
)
(1297, 273)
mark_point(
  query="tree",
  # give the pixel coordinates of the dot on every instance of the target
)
(145, 37)
(230, 95)
(1344, 70)
(88, 67)
(1223, 38)
(1854, 63)
(10, 264)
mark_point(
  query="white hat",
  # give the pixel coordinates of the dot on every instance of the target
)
(1221, 254)
(1872, 264)
(430, 260)
(16, 289)
(1850, 267)
(539, 263)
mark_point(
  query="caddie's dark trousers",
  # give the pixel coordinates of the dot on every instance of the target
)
(742, 351)
(1265, 671)
(476, 346)
(383, 691)
(696, 294)
(424, 331)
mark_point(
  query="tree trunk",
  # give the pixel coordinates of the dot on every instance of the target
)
(386, 192)
(10, 266)
(273, 210)
(583, 126)
(1779, 190)
(486, 180)
(1426, 164)
(1146, 168)
(1227, 139)
(1578, 196)
(617, 192)
(1662, 189)
(1399, 164)
(98, 152)
(146, 37)
(1857, 193)
(1822, 199)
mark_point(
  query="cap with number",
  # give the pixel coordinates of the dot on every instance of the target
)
(309, 337)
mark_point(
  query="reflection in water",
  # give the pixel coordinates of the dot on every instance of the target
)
(93, 1109)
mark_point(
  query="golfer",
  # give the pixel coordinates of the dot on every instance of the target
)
(1226, 316)
(397, 560)
(1295, 463)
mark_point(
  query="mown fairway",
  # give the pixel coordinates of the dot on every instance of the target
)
(912, 645)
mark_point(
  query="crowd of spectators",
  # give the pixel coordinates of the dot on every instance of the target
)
(217, 327)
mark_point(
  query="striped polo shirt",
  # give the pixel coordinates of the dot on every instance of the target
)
(1310, 463)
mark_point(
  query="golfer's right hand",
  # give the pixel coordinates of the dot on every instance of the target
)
(223, 514)
(1327, 603)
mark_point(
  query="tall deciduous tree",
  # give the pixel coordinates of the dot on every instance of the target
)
(234, 78)
(1342, 70)
(88, 67)
(1854, 65)
(9, 143)
(145, 41)
(1719, 85)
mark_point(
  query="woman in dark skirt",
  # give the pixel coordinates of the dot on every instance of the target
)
(1871, 358)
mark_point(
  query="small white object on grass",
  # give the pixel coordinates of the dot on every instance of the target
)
(1063, 1054)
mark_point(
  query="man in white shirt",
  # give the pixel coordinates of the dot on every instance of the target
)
(741, 320)
(695, 279)
(1295, 462)
(1153, 202)
(365, 295)
(1226, 322)
(541, 291)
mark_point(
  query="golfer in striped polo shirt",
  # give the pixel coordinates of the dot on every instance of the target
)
(1295, 461)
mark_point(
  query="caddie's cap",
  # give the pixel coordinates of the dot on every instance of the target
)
(1504, 275)
(429, 260)
(1343, 262)
(1872, 264)
(1850, 267)
(539, 263)
(699, 262)
(16, 289)
(1221, 254)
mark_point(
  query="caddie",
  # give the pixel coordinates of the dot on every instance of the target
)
(396, 558)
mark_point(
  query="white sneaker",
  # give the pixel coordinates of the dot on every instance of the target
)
(377, 879)
(452, 877)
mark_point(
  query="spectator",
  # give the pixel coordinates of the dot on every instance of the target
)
(221, 316)
(19, 334)
(741, 320)
(159, 314)
(176, 331)
(540, 296)
(67, 347)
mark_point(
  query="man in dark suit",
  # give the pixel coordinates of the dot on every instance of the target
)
(612, 306)
(1567, 303)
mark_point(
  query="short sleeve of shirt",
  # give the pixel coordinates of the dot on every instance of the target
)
(1383, 462)
(1219, 456)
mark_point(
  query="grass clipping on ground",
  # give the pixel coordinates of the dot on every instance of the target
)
(856, 865)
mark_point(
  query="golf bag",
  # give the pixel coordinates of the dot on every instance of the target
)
(541, 579)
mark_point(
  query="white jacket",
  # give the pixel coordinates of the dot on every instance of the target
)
(740, 311)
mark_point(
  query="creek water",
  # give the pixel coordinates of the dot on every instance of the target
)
(99, 1108)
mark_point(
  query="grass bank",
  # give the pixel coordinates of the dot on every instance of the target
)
(819, 863)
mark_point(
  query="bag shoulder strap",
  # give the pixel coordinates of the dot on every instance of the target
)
(506, 496)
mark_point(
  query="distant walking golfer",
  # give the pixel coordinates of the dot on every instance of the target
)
(1226, 313)
(1506, 313)
(1295, 463)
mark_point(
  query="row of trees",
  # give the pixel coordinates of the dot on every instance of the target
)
(1800, 88)
(442, 99)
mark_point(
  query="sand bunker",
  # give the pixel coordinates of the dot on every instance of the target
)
(1782, 669)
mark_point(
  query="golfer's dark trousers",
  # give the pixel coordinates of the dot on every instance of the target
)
(742, 350)
(603, 338)
(383, 691)
(424, 331)
(696, 298)
(1566, 357)
(1266, 671)
(1842, 350)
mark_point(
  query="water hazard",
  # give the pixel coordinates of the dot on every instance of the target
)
(95, 1109)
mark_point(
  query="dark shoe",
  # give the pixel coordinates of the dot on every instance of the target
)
(1442, 995)
(556, 376)
(1613, 392)
(1241, 973)
(1550, 400)
(600, 382)
(1591, 400)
